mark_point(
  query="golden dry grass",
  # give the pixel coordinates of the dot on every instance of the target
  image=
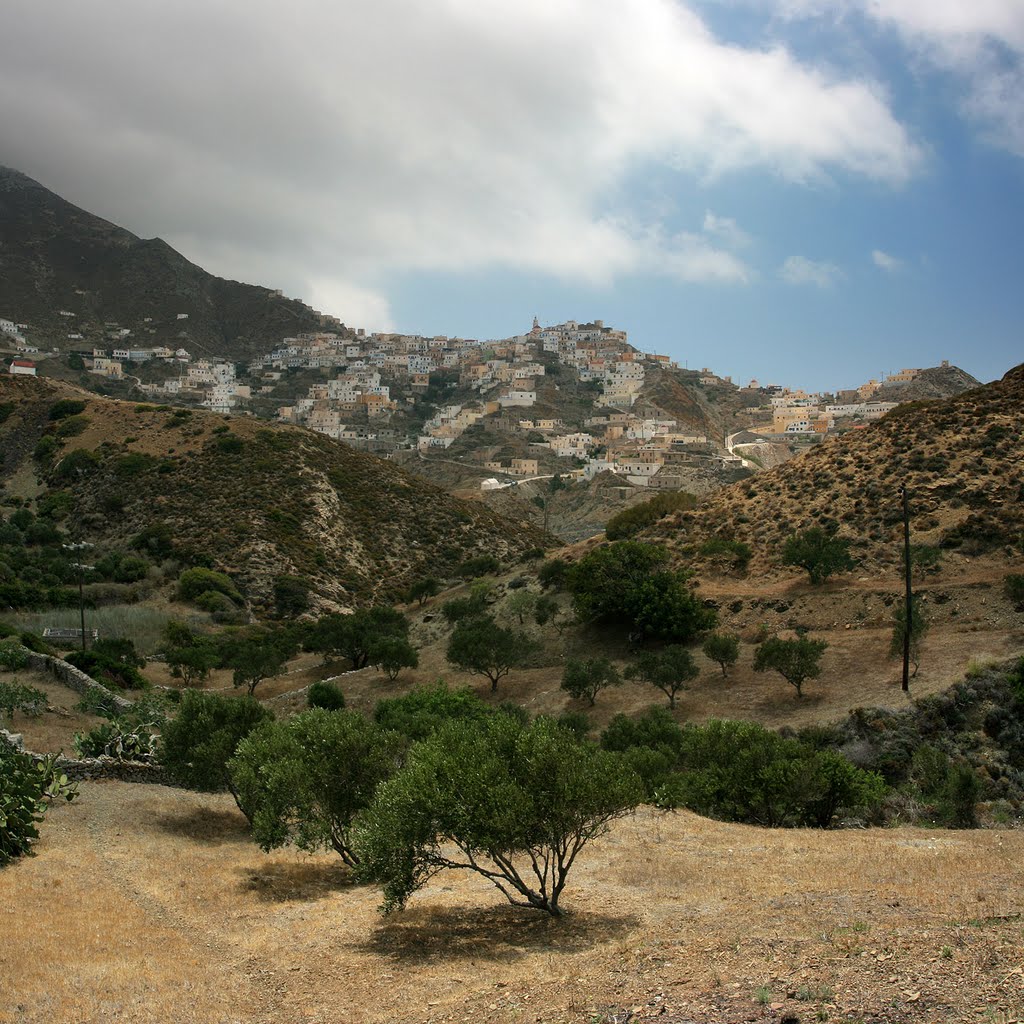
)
(54, 730)
(149, 904)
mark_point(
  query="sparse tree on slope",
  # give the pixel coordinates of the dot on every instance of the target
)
(669, 669)
(514, 803)
(819, 552)
(587, 677)
(795, 660)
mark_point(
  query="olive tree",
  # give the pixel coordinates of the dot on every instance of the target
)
(512, 802)
(818, 551)
(481, 646)
(198, 742)
(723, 648)
(669, 669)
(304, 780)
(795, 660)
(587, 677)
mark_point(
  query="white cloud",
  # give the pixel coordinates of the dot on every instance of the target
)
(980, 41)
(347, 142)
(885, 262)
(726, 230)
(802, 271)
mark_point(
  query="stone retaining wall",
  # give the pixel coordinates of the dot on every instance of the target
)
(74, 678)
(93, 769)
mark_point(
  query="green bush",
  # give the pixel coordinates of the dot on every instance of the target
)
(45, 449)
(66, 407)
(17, 697)
(198, 743)
(480, 565)
(1013, 587)
(73, 426)
(291, 596)
(421, 712)
(553, 573)
(12, 655)
(327, 696)
(78, 462)
(727, 552)
(632, 520)
(193, 583)
(477, 795)
(305, 779)
(27, 789)
(112, 663)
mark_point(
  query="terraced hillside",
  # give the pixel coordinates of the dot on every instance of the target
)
(256, 501)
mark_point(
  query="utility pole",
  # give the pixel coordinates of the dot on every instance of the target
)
(908, 608)
(81, 583)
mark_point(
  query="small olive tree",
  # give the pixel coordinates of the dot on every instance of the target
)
(512, 802)
(669, 669)
(795, 660)
(481, 646)
(587, 677)
(723, 648)
(918, 628)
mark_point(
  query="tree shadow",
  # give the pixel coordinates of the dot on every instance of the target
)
(206, 825)
(786, 701)
(305, 880)
(505, 933)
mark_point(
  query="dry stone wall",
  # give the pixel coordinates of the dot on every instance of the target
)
(74, 678)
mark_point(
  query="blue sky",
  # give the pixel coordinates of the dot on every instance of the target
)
(808, 192)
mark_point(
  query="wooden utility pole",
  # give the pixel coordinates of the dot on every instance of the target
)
(908, 608)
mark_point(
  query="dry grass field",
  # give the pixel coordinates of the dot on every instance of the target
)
(147, 904)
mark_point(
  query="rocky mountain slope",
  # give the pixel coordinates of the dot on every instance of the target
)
(57, 257)
(256, 501)
(962, 460)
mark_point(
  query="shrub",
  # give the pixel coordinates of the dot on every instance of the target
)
(17, 697)
(66, 407)
(195, 582)
(46, 448)
(197, 744)
(632, 520)
(480, 565)
(553, 573)
(731, 552)
(12, 655)
(77, 463)
(327, 696)
(304, 780)
(443, 810)
(73, 426)
(112, 663)
(421, 712)
(27, 789)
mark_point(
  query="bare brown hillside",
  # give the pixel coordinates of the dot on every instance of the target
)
(257, 500)
(962, 460)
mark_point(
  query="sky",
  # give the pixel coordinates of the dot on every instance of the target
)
(809, 192)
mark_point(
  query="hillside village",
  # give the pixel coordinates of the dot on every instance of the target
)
(508, 387)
